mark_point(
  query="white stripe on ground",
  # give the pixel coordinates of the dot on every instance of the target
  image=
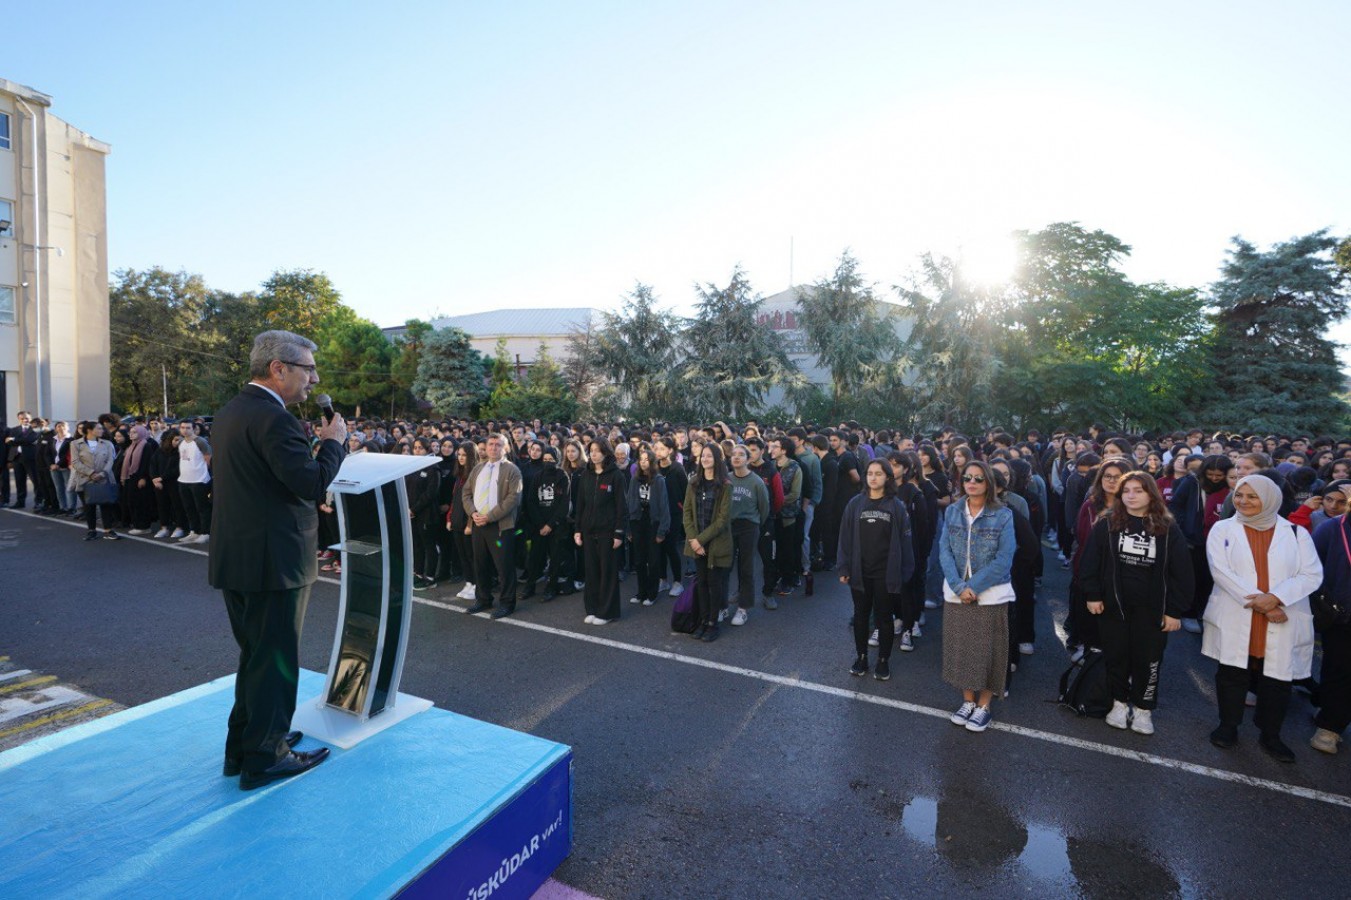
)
(17, 673)
(829, 690)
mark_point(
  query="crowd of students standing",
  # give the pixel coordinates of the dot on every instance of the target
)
(1237, 538)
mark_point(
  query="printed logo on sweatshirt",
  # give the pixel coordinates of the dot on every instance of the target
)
(1137, 549)
(880, 516)
(546, 493)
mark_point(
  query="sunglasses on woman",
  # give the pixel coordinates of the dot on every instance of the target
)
(973, 479)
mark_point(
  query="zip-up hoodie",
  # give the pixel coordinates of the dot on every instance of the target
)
(1171, 580)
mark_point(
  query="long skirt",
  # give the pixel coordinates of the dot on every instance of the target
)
(975, 646)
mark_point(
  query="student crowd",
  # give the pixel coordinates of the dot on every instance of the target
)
(1241, 539)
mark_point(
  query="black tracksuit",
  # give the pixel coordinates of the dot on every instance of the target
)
(546, 505)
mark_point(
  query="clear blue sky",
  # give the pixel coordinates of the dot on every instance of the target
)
(438, 157)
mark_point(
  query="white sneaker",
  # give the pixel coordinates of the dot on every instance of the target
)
(590, 620)
(202, 539)
(190, 538)
(597, 620)
(162, 533)
(722, 615)
(467, 593)
(677, 589)
(931, 604)
(873, 641)
(1142, 722)
(178, 533)
(139, 531)
(739, 617)
(896, 626)
(906, 643)
(916, 630)
(663, 585)
(1025, 649)
(923, 620)
(635, 599)
(1119, 717)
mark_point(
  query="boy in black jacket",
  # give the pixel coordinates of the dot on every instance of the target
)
(546, 512)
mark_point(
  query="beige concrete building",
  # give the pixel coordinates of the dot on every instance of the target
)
(53, 263)
(524, 331)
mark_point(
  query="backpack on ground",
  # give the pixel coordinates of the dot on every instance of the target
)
(684, 617)
(1083, 687)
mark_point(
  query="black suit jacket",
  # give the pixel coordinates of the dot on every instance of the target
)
(264, 525)
(25, 446)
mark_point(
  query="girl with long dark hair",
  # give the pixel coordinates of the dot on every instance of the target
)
(708, 533)
(1137, 580)
(649, 523)
(457, 519)
(602, 515)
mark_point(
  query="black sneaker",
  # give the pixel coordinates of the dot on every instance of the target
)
(92, 536)
(1274, 747)
(883, 670)
(860, 666)
(1224, 736)
(111, 536)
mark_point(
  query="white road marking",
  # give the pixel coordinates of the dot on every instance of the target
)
(17, 673)
(47, 698)
(829, 690)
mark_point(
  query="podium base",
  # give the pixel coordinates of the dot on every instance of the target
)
(343, 729)
(133, 805)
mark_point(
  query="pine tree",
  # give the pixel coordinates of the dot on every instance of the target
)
(1275, 368)
(450, 373)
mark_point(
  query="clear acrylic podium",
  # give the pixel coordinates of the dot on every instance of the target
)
(361, 693)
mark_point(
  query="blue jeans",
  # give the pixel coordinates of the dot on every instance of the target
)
(63, 497)
(933, 579)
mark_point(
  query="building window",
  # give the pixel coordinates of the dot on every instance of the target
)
(7, 215)
(6, 305)
(4, 131)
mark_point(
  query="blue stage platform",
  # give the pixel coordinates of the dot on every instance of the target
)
(134, 805)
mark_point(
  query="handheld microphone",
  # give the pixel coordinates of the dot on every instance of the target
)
(325, 406)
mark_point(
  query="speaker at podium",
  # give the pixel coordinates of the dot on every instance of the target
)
(361, 692)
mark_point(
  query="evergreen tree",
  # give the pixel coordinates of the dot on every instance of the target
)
(450, 373)
(851, 332)
(732, 359)
(1275, 368)
(637, 351)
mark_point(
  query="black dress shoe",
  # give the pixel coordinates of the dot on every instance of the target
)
(291, 764)
(1224, 737)
(232, 767)
(1272, 745)
(503, 611)
(481, 606)
(710, 634)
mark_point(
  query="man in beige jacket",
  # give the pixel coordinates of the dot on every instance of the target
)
(491, 497)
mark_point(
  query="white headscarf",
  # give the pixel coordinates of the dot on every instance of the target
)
(1271, 497)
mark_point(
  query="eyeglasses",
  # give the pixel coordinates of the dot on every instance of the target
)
(310, 369)
(973, 479)
(1107, 476)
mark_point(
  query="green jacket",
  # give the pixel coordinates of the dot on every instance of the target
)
(717, 538)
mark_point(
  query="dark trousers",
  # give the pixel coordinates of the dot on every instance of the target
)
(765, 545)
(109, 515)
(745, 535)
(554, 549)
(464, 549)
(601, 561)
(1335, 680)
(648, 562)
(169, 502)
(830, 532)
(494, 548)
(910, 603)
(872, 600)
(197, 504)
(1024, 592)
(23, 472)
(1204, 582)
(1273, 697)
(1132, 650)
(266, 626)
(447, 562)
(710, 590)
(424, 546)
(138, 509)
(788, 549)
(4, 476)
(673, 550)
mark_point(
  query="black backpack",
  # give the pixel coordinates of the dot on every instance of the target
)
(1083, 687)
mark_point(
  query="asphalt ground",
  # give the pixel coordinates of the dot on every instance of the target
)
(757, 766)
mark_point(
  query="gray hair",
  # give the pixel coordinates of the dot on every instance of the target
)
(280, 345)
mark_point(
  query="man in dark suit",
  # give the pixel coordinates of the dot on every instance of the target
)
(264, 528)
(22, 442)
